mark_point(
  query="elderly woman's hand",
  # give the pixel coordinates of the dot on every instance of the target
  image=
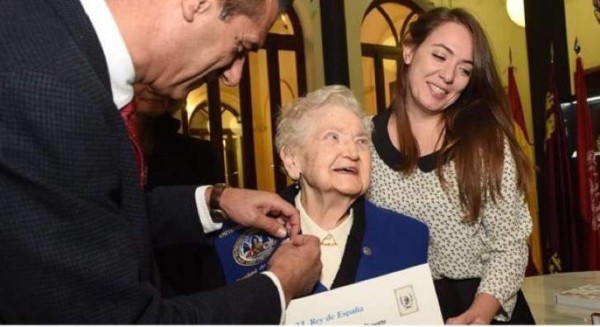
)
(262, 210)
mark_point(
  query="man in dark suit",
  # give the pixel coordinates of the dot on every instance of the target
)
(76, 230)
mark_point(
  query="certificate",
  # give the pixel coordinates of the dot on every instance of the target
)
(403, 297)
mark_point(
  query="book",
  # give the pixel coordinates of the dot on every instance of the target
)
(586, 296)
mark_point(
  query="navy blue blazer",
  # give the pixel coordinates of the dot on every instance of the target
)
(76, 232)
(381, 241)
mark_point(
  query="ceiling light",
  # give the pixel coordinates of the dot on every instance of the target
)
(516, 12)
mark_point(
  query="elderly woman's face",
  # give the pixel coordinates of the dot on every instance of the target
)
(334, 157)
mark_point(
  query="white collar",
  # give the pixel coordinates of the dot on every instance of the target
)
(308, 226)
(332, 249)
(118, 60)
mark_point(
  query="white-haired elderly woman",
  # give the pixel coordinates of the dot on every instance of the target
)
(323, 140)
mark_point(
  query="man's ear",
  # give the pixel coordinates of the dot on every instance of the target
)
(191, 8)
(290, 162)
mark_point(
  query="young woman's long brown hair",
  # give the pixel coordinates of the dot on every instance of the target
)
(475, 126)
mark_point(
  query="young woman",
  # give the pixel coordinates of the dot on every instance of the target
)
(445, 153)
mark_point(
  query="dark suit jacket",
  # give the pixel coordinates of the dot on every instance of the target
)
(176, 159)
(75, 236)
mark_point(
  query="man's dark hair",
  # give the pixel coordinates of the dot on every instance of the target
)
(250, 8)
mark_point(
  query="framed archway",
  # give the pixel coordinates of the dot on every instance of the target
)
(384, 23)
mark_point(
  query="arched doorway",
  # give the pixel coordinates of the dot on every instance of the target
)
(384, 23)
(199, 126)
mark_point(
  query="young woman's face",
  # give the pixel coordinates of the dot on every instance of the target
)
(439, 69)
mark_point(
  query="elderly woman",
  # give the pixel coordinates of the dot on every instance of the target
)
(323, 140)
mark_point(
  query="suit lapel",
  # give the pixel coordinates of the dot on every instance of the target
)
(82, 30)
(129, 196)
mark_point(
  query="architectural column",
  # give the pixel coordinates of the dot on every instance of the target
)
(335, 46)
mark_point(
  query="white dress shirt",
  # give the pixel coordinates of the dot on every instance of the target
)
(333, 242)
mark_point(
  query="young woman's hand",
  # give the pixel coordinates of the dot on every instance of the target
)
(482, 311)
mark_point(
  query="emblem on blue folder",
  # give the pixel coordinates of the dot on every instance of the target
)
(253, 247)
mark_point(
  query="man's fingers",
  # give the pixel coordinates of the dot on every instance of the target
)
(282, 210)
(289, 228)
(292, 229)
(271, 226)
(286, 210)
(299, 240)
(262, 210)
(290, 219)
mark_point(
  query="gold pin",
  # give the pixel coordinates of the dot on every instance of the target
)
(328, 241)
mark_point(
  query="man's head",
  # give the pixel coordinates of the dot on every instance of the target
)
(176, 44)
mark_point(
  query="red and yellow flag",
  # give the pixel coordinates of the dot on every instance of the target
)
(532, 198)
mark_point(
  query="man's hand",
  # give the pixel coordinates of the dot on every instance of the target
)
(297, 264)
(262, 210)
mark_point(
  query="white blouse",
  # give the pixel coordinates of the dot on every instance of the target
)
(333, 242)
